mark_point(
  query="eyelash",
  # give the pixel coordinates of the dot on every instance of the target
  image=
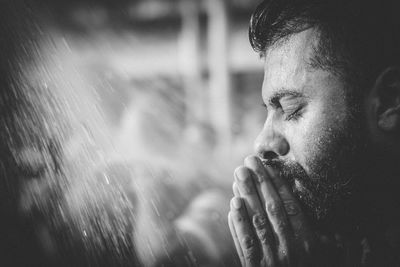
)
(294, 115)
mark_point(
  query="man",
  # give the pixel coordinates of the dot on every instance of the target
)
(322, 187)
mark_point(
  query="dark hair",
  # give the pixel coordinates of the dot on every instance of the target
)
(357, 38)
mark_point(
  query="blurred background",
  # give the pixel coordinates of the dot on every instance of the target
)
(180, 91)
(174, 77)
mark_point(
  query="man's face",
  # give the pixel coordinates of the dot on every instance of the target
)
(310, 134)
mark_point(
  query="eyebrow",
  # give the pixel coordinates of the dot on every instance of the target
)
(278, 95)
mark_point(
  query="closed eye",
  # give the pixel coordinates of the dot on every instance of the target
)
(293, 113)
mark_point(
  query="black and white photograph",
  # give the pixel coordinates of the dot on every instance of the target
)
(199, 133)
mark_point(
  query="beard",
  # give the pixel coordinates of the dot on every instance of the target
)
(328, 189)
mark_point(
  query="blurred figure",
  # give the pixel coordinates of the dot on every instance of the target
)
(64, 203)
(59, 204)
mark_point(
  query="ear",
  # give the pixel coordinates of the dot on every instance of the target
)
(387, 99)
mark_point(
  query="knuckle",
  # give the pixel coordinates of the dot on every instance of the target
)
(249, 247)
(247, 187)
(237, 217)
(260, 221)
(283, 190)
(282, 226)
(265, 236)
(291, 207)
(274, 208)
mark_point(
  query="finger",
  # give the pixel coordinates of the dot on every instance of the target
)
(264, 185)
(235, 239)
(300, 227)
(290, 202)
(235, 190)
(266, 238)
(280, 184)
(275, 210)
(246, 237)
(298, 220)
(248, 191)
(246, 186)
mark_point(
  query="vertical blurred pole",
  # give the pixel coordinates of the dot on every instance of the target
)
(190, 64)
(218, 52)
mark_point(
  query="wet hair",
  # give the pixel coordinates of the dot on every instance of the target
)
(357, 38)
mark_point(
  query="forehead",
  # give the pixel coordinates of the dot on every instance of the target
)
(287, 63)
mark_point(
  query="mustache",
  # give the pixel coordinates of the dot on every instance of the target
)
(287, 169)
(273, 163)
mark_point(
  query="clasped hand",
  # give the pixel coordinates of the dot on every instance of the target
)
(266, 221)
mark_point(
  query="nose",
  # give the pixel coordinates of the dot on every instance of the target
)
(270, 143)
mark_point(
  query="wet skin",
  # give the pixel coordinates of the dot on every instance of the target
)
(307, 118)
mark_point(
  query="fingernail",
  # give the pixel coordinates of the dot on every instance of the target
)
(236, 203)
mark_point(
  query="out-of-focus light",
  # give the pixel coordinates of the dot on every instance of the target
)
(148, 10)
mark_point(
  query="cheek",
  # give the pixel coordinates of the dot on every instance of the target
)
(311, 137)
(303, 139)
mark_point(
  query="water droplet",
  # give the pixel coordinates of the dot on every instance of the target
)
(106, 178)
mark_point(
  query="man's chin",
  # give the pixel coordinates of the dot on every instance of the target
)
(325, 205)
(315, 208)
